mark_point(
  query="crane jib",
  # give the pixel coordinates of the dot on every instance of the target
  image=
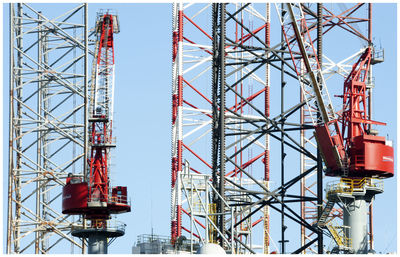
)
(327, 132)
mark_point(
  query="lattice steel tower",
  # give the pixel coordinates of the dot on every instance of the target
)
(48, 123)
(236, 47)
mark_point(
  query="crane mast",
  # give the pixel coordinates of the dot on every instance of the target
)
(93, 197)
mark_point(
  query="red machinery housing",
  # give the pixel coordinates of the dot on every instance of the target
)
(364, 153)
(93, 198)
(76, 200)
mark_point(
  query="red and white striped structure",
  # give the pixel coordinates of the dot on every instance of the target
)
(192, 106)
(266, 159)
(177, 100)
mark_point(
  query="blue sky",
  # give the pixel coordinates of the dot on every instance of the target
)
(143, 116)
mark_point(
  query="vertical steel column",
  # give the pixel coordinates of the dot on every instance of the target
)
(86, 108)
(17, 71)
(215, 108)
(302, 170)
(86, 87)
(267, 137)
(369, 89)
(10, 128)
(177, 102)
(218, 136)
(283, 154)
(46, 106)
(180, 117)
(39, 133)
(221, 205)
(319, 159)
(215, 113)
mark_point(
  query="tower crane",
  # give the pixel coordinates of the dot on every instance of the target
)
(93, 197)
(353, 151)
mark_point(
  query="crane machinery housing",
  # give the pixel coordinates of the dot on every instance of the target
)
(94, 198)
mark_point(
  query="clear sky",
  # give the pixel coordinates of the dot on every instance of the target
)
(143, 116)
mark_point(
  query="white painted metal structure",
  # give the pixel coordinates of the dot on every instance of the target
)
(47, 133)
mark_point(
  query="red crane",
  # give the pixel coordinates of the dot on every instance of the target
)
(354, 150)
(93, 197)
(369, 155)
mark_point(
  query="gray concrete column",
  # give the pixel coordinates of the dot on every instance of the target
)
(97, 244)
(355, 216)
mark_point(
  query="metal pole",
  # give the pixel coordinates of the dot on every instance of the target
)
(45, 147)
(215, 112)
(86, 74)
(191, 215)
(86, 108)
(302, 168)
(267, 139)
(371, 221)
(10, 130)
(207, 239)
(283, 228)
(319, 159)
(16, 175)
(232, 234)
(39, 136)
(221, 207)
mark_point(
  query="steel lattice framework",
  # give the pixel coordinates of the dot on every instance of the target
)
(231, 46)
(48, 123)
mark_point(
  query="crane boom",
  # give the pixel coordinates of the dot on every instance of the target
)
(314, 89)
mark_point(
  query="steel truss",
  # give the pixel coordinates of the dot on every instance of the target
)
(48, 124)
(231, 46)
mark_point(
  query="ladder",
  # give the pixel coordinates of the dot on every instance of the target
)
(325, 213)
(345, 167)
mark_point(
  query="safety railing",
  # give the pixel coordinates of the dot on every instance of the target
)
(379, 54)
(101, 224)
(107, 224)
(111, 199)
(348, 186)
(119, 199)
(212, 233)
(339, 235)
